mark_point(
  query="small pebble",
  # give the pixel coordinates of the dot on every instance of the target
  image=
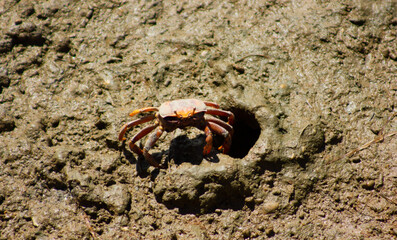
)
(246, 233)
(249, 199)
(369, 185)
(271, 207)
(258, 201)
(321, 214)
(168, 219)
(269, 231)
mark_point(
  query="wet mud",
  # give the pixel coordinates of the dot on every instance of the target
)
(312, 86)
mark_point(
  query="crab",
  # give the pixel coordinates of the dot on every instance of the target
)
(180, 113)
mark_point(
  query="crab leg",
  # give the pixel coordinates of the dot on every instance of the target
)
(221, 131)
(141, 110)
(138, 136)
(222, 113)
(226, 126)
(149, 144)
(211, 104)
(208, 140)
(129, 125)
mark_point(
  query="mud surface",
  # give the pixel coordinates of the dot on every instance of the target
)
(312, 85)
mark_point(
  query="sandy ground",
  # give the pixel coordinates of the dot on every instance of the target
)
(312, 85)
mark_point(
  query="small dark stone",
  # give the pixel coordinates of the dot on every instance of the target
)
(368, 185)
(312, 139)
(6, 125)
(117, 198)
(394, 21)
(47, 12)
(28, 11)
(357, 21)
(27, 34)
(4, 79)
(62, 45)
(6, 44)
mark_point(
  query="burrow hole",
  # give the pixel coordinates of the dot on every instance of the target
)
(246, 132)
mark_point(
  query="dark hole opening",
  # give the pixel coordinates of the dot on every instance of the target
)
(246, 132)
(101, 124)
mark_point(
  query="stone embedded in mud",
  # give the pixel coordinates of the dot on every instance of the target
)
(27, 10)
(27, 34)
(271, 206)
(62, 44)
(312, 139)
(6, 125)
(4, 78)
(368, 185)
(6, 44)
(110, 162)
(76, 178)
(117, 198)
(201, 188)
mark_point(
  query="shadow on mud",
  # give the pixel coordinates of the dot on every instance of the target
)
(182, 149)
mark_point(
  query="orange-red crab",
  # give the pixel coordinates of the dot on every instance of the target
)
(180, 113)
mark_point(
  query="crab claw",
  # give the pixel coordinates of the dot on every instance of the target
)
(225, 147)
(208, 140)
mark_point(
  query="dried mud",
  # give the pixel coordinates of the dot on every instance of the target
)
(312, 85)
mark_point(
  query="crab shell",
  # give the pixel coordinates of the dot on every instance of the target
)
(182, 108)
(182, 113)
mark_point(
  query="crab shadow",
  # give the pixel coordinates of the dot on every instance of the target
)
(141, 164)
(182, 149)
